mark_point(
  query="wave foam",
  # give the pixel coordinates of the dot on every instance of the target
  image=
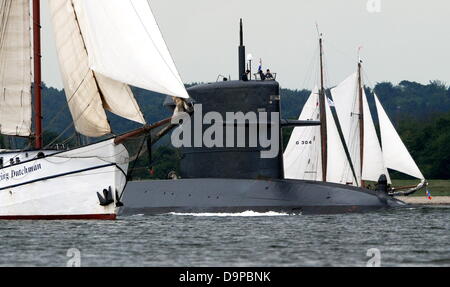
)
(248, 213)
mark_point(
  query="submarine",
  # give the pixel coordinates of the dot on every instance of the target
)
(234, 179)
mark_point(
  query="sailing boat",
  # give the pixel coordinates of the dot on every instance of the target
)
(316, 152)
(370, 160)
(356, 155)
(395, 154)
(358, 131)
(99, 58)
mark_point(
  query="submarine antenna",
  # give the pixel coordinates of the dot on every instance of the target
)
(241, 51)
(323, 116)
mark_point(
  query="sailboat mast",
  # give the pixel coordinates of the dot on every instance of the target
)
(323, 117)
(37, 73)
(361, 119)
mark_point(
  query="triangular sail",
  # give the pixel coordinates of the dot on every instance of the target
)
(126, 45)
(373, 163)
(339, 168)
(345, 97)
(117, 96)
(302, 158)
(119, 99)
(15, 68)
(88, 94)
(396, 155)
(103, 47)
(81, 88)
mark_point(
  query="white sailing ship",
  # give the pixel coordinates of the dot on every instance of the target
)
(103, 47)
(354, 155)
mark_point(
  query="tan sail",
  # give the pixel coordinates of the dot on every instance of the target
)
(103, 47)
(15, 71)
(80, 86)
(117, 96)
(88, 94)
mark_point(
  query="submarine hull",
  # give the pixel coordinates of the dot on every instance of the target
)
(211, 195)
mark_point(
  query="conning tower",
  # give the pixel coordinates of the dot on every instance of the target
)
(253, 96)
(234, 162)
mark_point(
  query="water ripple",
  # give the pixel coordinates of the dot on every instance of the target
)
(405, 237)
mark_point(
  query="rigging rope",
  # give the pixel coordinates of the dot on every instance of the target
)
(133, 166)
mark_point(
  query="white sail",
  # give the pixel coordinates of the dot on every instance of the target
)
(125, 44)
(15, 68)
(88, 93)
(119, 99)
(117, 96)
(338, 167)
(302, 158)
(373, 161)
(345, 97)
(80, 86)
(396, 155)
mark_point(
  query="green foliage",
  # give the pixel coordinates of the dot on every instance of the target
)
(292, 102)
(57, 116)
(286, 133)
(436, 186)
(2, 142)
(164, 160)
(429, 144)
(411, 100)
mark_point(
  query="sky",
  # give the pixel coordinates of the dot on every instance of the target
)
(399, 39)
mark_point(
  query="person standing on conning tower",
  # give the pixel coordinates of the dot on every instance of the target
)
(269, 75)
(244, 76)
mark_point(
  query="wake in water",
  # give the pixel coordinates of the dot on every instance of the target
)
(248, 213)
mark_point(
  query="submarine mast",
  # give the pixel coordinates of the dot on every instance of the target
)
(241, 52)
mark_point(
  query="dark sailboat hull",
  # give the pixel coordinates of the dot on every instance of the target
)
(239, 195)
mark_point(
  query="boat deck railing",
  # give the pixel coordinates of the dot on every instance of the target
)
(257, 77)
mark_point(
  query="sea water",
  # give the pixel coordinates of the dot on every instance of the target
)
(418, 236)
